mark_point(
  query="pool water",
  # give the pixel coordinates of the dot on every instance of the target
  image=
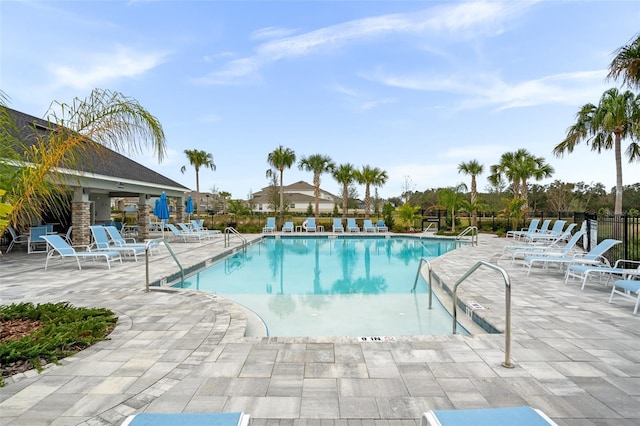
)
(312, 286)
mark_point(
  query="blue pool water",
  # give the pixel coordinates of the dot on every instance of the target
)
(312, 286)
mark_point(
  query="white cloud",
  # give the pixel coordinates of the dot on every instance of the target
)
(271, 33)
(97, 69)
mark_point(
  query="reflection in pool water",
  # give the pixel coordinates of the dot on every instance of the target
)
(332, 287)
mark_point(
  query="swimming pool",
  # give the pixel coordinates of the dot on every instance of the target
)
(318, 286)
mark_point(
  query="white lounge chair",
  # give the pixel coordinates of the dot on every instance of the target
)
(101, 242)
(554, 249)
(551, 234)
(270, 225)
(629, 289)
(367, 226)
(62, 249)
(184, 236)
(593, 257)
(287, 227)
(542, 230)
(199, 227)
(381, 226)
(351, 225)
(337, 225)
(119, 240)
(533, 225)
(309, 225)
(616, 271)
(508, 416)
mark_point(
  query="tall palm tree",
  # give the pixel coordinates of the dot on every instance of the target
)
(198, 159)
(345, 174)
(318, 164)
(34, 184)
(370, 176)
(472, 168)
(626, 64)
(603, 126)
(281, 158)
(518, 167)
(451, 198)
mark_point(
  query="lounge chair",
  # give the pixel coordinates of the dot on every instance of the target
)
(121, 241)
(627, 288)
(533, 225)
(63, 250)
(337, 225)
(351, 225)
(309, 225)
(188, 419)
(16, 238)
(287, 227)
(554, 249)
(190, 230)
(367, 226)
(185, 236)
(593, 257)
(381, 226)
(617, 270)
(544, 228)
(101, 242)
(270, 225)
(36, 244)
(551, 234)
(511, 416)
(198, 226)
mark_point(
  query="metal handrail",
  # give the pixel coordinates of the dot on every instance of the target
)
(228, 231)
(474, 236)
(415, 283)
(507, 282)
(424, 233)
(147, 250)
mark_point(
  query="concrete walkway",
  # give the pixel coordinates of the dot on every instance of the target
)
(575, 356)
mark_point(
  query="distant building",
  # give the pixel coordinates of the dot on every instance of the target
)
(298, 196)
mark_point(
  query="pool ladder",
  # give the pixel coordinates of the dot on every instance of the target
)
(507, 283)
(228, 232)
(473, 230)
(147, 253)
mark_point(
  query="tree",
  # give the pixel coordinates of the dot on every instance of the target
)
(345, 174)
(370, 176)
(281, 158)
(318, 164)
(198, 159)
(451, 198)
(33, 182)
(408, 214)
(472, 168)
(626, 64)
(604, 126)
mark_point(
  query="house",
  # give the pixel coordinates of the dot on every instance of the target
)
(103, 174)
(298, 197)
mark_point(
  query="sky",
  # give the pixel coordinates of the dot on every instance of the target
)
(413, 88)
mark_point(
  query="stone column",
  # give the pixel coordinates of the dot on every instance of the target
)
(179, 212)
(81, 220)
(143, 221)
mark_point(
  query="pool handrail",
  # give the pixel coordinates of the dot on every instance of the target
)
(415, 283)
(474, 235)
(228, 231)
(147, 250)
(507, 282)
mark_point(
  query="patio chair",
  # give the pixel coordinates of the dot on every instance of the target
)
(185, 236)
(544, 228)
(16, 238)
(62, 249)
(287, 227)
(270, 225)
(198, 226)
(189, 230)
(520, 416)
(188, 419)
(121, 241)
(309, 225)
(617, 270)
(36, 244)
(593, 257)
(337, 225)
(381, 226)
(627, 289)
(553, 249)
(351, 225)
(551, 234)
(101, 242)
(367, 226)
(533, 225)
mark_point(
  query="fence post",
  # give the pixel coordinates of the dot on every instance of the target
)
(625, 236)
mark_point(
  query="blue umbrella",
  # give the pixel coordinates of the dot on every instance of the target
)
(162, 212)
(189, 208)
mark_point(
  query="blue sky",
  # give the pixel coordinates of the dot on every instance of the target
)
(411, 87)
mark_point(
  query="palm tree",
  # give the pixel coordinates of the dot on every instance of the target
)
(198, 159)
(627, 64)
(34, 183)
(370, 176)
(281, 158)
(603, 126)
(345, 174)
(518, 167)
(451, 198)
(472, 168)
(318, 164)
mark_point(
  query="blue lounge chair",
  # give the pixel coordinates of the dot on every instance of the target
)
(508, 416)
(544, 228)
(367, 226)
(533, 225)
(270, 225)
(199, 227)
(188, 419)
(287, 227)
(36, 244)
(381, 226)
(63, 250)
(185, 236)
(309, 225)
(337, 225)
(351, 225)
(553, 249)
(101, 242)
(593, 257)
(117, 238)
(551, 234)
(627, 288)
(189, 230)
(617, 270)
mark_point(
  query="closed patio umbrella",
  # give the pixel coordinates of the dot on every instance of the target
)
(189, 208)
(162, 210)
